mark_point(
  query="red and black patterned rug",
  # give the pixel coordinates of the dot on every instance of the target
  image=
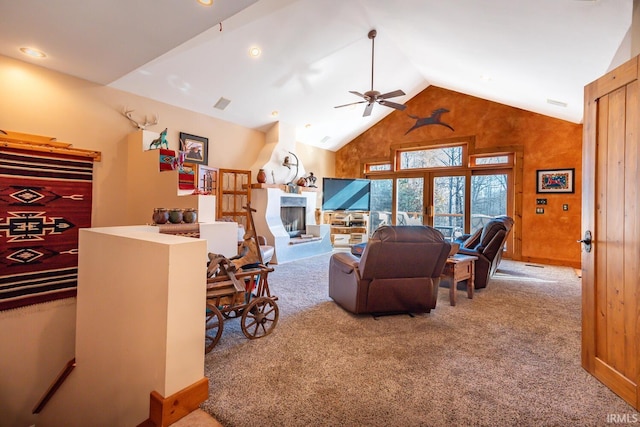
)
(44, 200)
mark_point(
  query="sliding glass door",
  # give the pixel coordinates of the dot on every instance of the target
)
(454, 203)
(410, 201)
(488, 198)
(450, 185)
(448, 201)
(381, 203)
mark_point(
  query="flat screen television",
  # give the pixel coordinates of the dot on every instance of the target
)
(346, 194)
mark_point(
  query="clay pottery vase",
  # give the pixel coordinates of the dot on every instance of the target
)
(262, 176)
(160, 216)
(302, 182)
(175, 216)
(190, 215)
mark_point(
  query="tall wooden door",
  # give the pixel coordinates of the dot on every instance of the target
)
(611, 213)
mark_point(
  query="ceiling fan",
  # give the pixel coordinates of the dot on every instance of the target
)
(372, 96)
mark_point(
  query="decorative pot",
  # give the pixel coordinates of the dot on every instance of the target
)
(190, 215)
(302, 182)
(262, 176)
(175, 216)
(160, 216)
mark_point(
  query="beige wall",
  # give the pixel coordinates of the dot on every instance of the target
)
(37, 342)
(89, 116)
(42, 102)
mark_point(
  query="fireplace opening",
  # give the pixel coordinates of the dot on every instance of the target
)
(293, 215)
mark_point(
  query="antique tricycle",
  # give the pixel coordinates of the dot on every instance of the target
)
(239, 287)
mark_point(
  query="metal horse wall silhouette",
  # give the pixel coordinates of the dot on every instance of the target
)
(433, 119)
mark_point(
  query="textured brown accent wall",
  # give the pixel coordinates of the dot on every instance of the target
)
(548, 143)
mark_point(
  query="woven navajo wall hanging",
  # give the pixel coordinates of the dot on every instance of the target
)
(45, 198)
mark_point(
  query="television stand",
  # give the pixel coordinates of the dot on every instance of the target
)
(348, 228)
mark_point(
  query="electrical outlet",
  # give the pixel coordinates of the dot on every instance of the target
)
(539, 210)
(565, 207)
(541, 201)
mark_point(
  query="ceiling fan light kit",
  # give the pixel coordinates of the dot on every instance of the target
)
(372, 96)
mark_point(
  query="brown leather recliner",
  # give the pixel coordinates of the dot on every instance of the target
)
(399, 272)
(487, 244)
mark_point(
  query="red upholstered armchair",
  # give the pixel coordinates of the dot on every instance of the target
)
(399, 272)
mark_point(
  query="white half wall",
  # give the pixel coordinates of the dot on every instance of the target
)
(139, 326)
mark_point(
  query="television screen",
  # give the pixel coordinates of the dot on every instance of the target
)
(345, 194)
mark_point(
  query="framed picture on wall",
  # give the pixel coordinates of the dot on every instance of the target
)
(555, 181)
(196, 148)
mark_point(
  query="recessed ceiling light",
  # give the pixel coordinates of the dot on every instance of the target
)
(35, 53)
(275, 113)
(308, 125)
(254, 52)
(205, 2)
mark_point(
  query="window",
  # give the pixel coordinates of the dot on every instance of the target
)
(489, 198)
(379, 167)
(381, 203)
(444, 157)
(491, 160)
(446, 184)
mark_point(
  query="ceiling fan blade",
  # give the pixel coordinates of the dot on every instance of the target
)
(391, 94)
(351, 103)
(357, 93)
(367, 110)
(392, 104)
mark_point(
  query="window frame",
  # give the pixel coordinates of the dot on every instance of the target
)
(514, 168)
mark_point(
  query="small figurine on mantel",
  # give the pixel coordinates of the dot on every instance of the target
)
(160, 141)
(311, 180)
(261, 177)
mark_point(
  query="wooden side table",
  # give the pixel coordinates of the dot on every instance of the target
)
(458, 268)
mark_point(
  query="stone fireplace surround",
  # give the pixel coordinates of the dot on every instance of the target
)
(267, 200)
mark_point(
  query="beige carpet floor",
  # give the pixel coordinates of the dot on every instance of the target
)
(508, 357)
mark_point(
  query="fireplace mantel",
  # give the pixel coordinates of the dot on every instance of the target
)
(285, 188)
(266, 200)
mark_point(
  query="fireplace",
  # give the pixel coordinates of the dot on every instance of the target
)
(281, 214)
(293, 212)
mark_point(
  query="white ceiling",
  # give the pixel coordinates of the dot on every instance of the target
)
(517, 52)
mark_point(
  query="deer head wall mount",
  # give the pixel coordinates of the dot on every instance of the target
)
(140, 125)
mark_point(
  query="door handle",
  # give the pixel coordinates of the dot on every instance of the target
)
(587, 241)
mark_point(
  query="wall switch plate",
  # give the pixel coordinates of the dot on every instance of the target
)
(539, 210)
(541, 201)
(565, 207)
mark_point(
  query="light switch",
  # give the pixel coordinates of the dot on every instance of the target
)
(539, 210)
(565, 207)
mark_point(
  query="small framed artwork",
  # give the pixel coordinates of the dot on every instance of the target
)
(196, 148)
(555, 181)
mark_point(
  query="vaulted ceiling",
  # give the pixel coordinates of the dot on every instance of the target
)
(535, 55)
